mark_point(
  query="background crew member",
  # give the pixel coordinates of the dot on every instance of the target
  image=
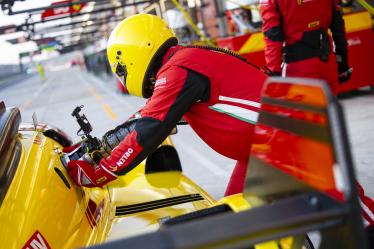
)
(296, 35)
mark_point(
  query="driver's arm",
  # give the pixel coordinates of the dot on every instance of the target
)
(176, 90)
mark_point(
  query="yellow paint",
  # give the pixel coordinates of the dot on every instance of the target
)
(254, 43)
(76, 7)
(236, 202)
(37, 199)
(94, 93)
(267, 245)
(239, 203)
(110, 112)
(286, 243)
(26, 104)
(357, 22)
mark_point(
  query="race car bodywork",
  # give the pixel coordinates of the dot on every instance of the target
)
(300, 179)
(42, 208)
(43, 205)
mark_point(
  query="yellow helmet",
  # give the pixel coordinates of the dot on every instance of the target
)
(135, 49)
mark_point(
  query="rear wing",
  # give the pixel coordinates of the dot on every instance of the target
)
(301, 169)
(301, 153)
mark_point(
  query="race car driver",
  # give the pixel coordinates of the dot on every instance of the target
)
(296, 35)
(214, 90)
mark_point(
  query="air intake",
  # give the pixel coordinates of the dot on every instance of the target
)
(146, 206)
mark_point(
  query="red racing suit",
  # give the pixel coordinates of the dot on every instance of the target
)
(296, 34)
(293, 30)
(216, 93)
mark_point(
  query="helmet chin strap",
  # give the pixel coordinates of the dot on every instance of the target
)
(152, 84)
(150, 87)
(152, 80)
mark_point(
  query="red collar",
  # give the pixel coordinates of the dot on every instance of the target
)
(171, 51)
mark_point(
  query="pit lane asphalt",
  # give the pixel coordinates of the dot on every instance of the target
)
(54, 100)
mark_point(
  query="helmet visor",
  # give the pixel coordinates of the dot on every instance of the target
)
(121, 73)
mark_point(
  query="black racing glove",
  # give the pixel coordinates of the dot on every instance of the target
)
(89, 149)
(113, 137)
(275, 74)
(344, 71)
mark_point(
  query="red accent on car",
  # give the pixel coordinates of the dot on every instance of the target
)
(36, 241)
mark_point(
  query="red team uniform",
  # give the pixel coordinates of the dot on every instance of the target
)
(296, 35)
(217, 93)
(213, 93)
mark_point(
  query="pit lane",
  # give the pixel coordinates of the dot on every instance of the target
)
(53, 101)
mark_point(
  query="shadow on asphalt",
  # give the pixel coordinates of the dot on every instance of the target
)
(14, 80)
(356, 93)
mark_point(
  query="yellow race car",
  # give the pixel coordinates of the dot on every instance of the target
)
(155, 202)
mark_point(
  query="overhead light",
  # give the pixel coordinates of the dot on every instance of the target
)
(191, 3)
(89, 7)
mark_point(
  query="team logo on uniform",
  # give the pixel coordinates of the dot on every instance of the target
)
(299, 2)
(125, 157)
(160, 83)
(113, 168)
(264, 2)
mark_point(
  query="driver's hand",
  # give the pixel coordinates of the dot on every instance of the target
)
(85, 172)
(90, 149)
(113, 138)
(345, 76)
(344, 71)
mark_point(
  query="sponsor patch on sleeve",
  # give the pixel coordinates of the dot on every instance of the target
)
(125, 157)
(264, 2)
(160, 83)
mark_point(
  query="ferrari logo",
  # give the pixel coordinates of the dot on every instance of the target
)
(113, 168)
(313, 24)
(76, 7)
(101, 179)
(299, 2)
